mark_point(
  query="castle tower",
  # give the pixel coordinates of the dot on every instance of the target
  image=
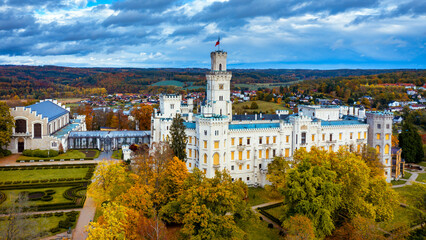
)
(380, 137)
(218, 101)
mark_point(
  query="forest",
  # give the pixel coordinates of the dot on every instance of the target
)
(40, 82)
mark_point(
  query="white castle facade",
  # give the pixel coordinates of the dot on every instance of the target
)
(246, 144)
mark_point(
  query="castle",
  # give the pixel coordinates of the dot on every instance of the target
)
(246, 144)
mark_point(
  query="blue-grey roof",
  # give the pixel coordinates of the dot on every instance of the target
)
(48, 109)
(341, 122)
(68, 128)
(110, 134)
(254, 126)
(264, 117)
(189, 124)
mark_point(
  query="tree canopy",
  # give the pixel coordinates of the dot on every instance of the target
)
(178, 137)
(411, 143)
(7, 123)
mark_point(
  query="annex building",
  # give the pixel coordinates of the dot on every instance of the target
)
(246, 144)
(44, 125)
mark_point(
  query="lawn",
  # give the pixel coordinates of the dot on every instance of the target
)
(423, 164)
(401, 215)
(43, 224)
(117, 154)
(421, 177)
(407, 175)
(277, 212)
(398, 182)
(42, 174)
(260, 195)
(58, 197)
(70, 154)
(258, 230)
(265, 107)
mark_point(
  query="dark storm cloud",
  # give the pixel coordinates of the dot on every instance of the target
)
(237, 12)
(14, 19)
(412, 9)
(132, 17)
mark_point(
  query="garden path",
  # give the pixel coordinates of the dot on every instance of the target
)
(254, 209)
(412, 179)
(86, 216)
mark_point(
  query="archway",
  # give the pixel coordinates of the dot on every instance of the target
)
(21, 144)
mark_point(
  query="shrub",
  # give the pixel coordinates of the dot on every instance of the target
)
(28, 153)
(50, 192)
(65, 224)
(59, 214)
(55, 230)
(270, 225)
(53, 153)
(47, 198)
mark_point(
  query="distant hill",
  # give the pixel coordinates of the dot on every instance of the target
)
(52, 81)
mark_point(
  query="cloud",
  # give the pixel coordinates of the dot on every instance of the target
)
(181, 33)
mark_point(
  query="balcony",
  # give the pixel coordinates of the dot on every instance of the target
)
(360, 140)
(240, 162)
(331, 141)
(216, 165)
(27, 134)
(241, 147)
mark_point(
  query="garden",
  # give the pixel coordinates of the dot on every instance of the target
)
(50, 187)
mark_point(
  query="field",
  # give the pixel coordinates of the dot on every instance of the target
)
(264, 107)
(256, 86)
(260, 195)
(169, 83)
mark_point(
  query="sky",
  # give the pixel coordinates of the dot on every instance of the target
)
(304, 34)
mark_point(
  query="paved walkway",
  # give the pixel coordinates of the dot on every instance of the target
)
(254, 209)
(86, 216)
(410, 181)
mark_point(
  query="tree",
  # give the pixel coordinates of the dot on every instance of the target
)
(395, 141)
(311, 191)
(277, 172)
(142, 114)
(254, 105)
(210, 206)
(411, 143)
(7, 123)
(178, 138)
(358, 228)
(108, 182)
(299, 227)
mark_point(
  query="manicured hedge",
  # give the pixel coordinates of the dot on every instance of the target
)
(2, 197)
(43, 185)
(54, 160)
(266, 214)
(57, 166)
(40, 153)
(5, 152)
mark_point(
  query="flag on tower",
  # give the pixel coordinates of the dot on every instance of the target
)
(218, 41)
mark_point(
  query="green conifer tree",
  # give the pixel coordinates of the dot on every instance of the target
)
(411, 143)
(178, 138)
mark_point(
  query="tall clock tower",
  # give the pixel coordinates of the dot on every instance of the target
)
(218, 86)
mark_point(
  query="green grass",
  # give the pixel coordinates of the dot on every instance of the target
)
(58, 197)
(258, 230)
(260, 195)
(421, 177)
(423, 164)
(43, 224)
(265, 107)
(407, 175)
(70, 154)
(117, 154)
(168, 83)
(401, 215)
(277, 212)
(408, 194)
(42, 174)
(398, 182)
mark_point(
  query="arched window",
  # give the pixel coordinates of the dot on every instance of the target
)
(378, 149)
(20, 126)
(216, 159)
(220, 66)
(37, 130)
(387, 149)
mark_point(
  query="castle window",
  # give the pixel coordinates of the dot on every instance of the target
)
(241, 141)
(232, 141)
(54, 144)
(267, 140)
(260, 153)
(323, 136)
(378, 149)
(287, 138)
(248, 141)
(205, 144)
(274, 139)
(273, 153)
(37, 130)
(221, 86)
(204, 171)
(350, 135)
(172, 106)
(359, 135)
(248, 154)
(260, 140)
(232, 155)
(387, 136)
(387, 126)
(220, 66)
(220, 98)
(205, 158)
(216, 144)
(379, 126)
(313, 137)
(248, 178)
(260, 166)
(248, 166)
(240, 155)
(378, 136)
(340, 136)
(190, 165)
(365, 135)
(240, 168)
(387, 149)
(331, 137)
(303, 138)
(20, 126)
(205, 132)
(216, 132)
(287, 152)
(232, 168)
